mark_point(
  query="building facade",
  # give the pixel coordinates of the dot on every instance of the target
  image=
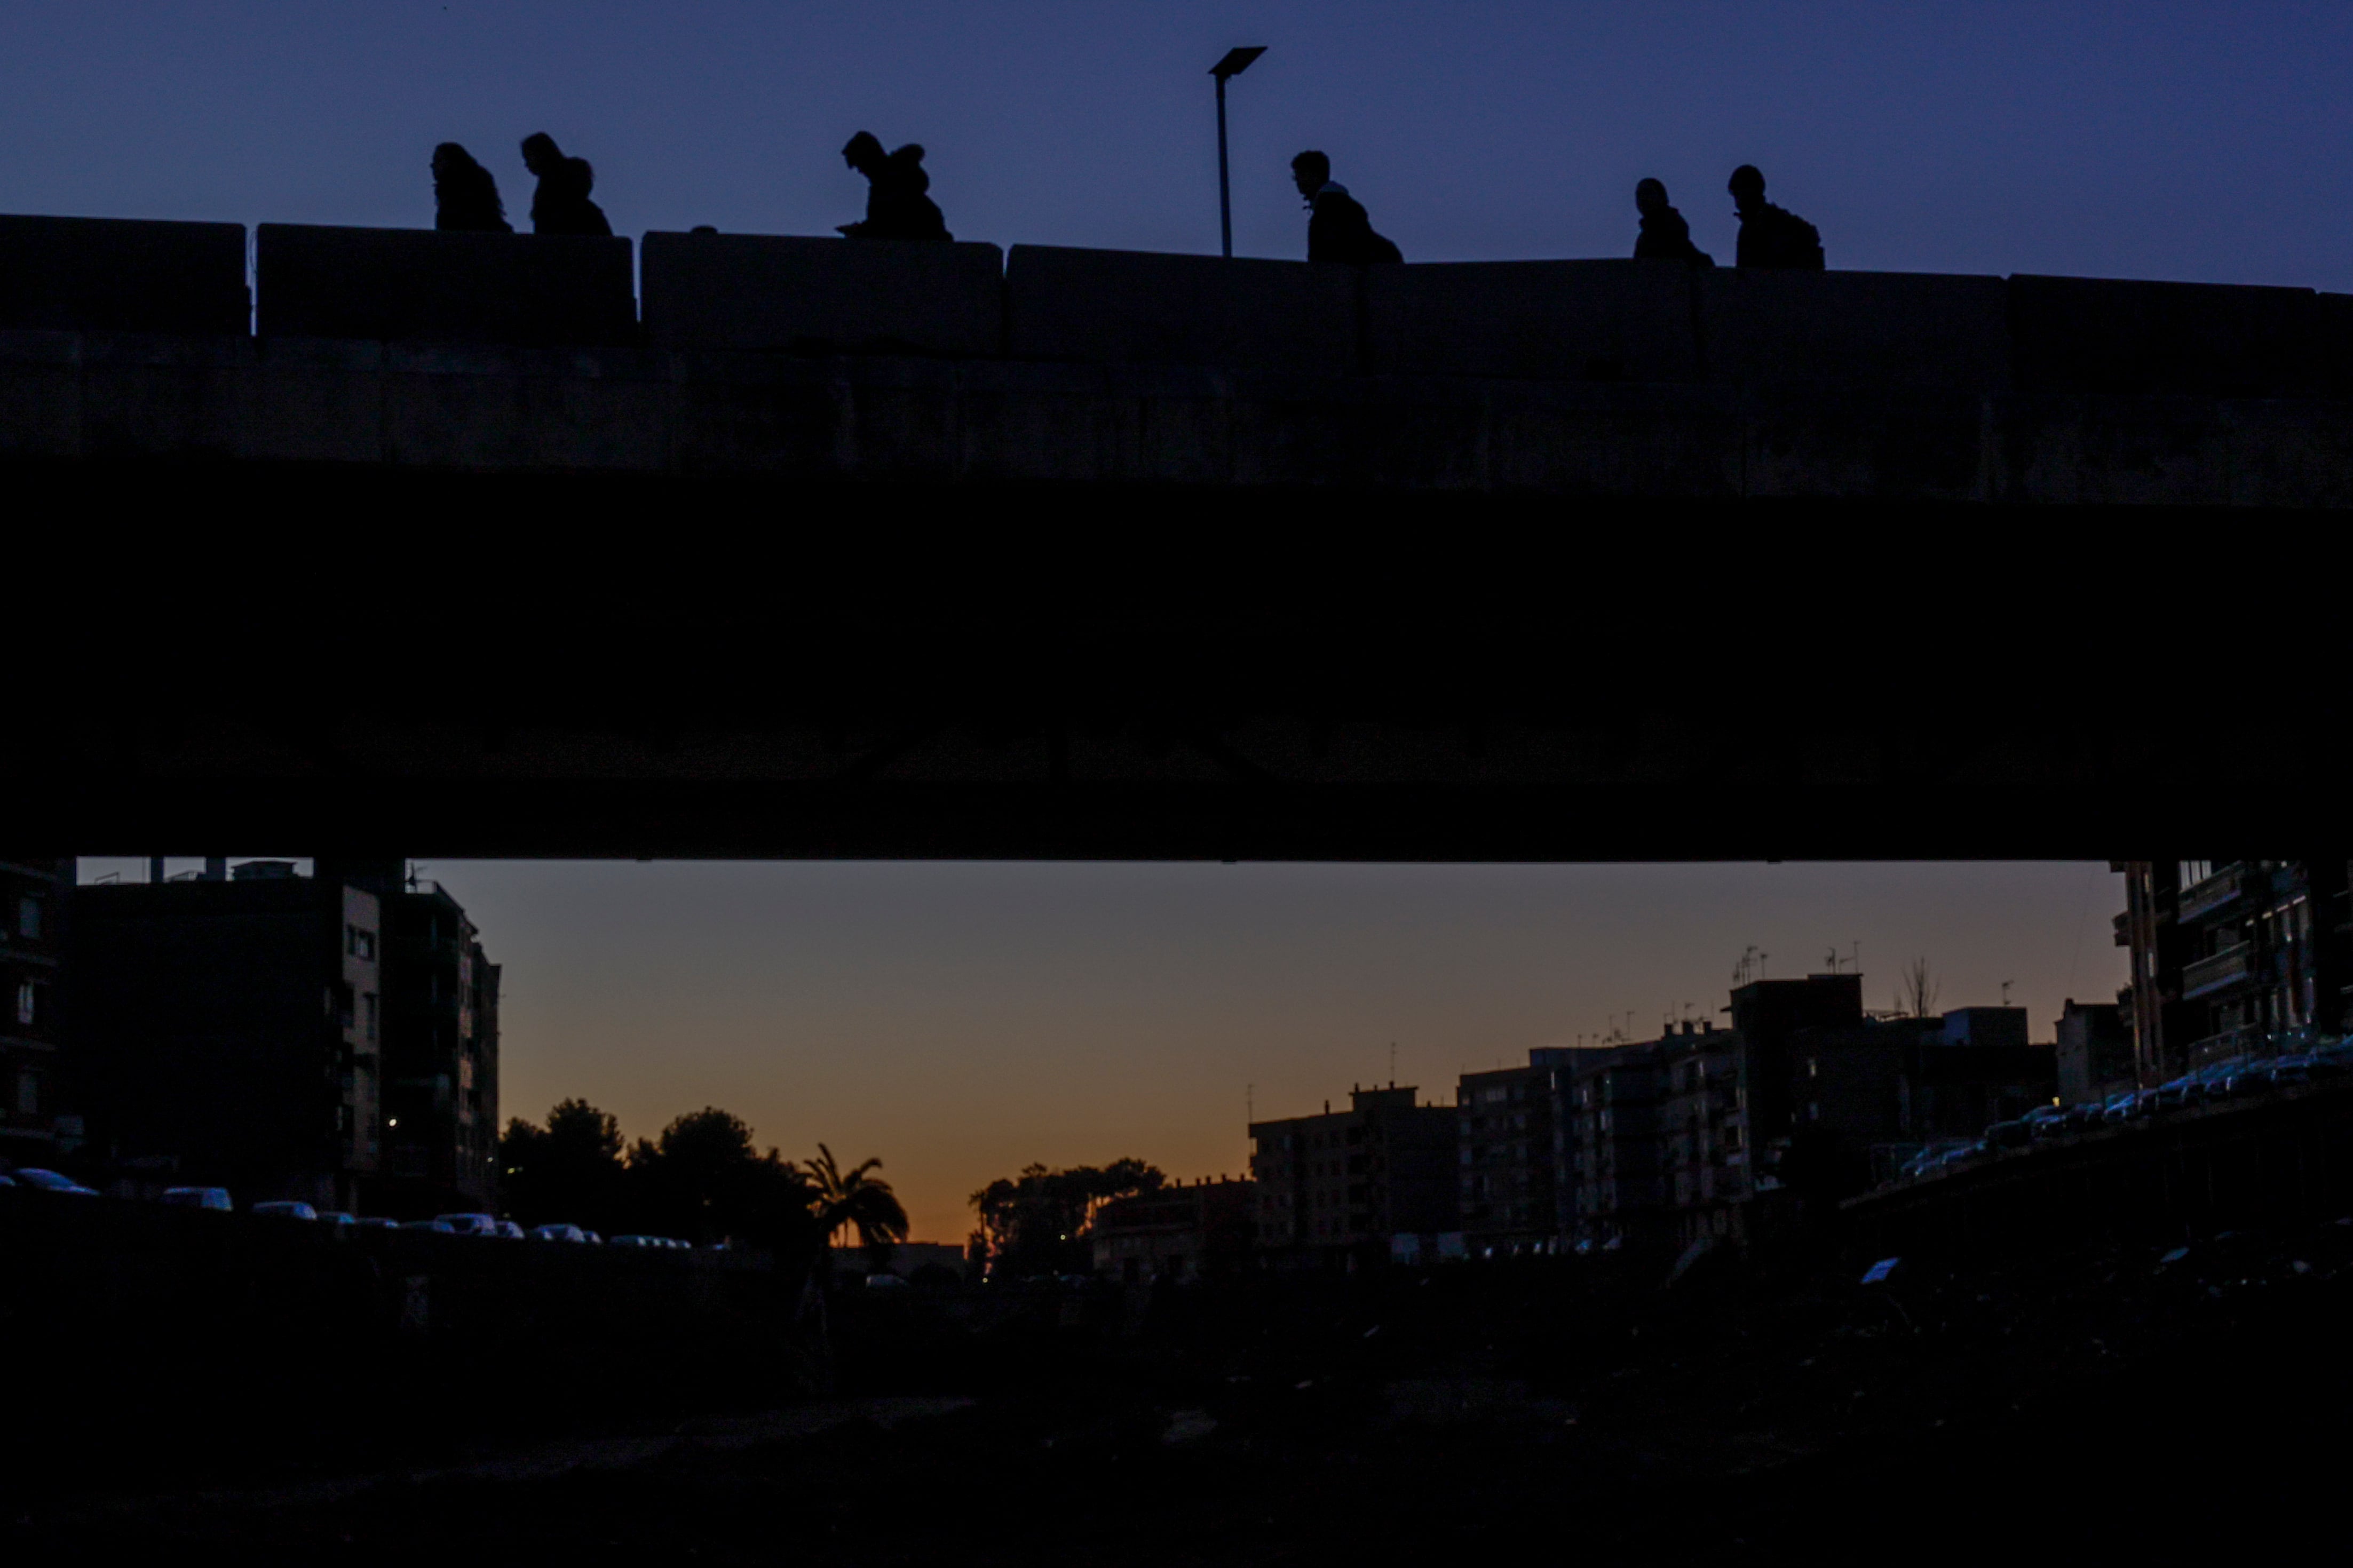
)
(330, 1037)
(38, 1125)
(1703, 1131)
(1335, 1188)
(2095, 1051)
(2233, 957)
(1507, 1143)
(1177, 1234)
(1611, 1116)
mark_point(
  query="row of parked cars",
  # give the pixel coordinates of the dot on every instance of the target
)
(2233, 1078)
(218, 1200)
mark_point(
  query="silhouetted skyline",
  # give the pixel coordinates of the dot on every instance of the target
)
(962, 1020)
(2060, 138)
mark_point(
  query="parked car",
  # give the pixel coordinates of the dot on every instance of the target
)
(637, 1241)
(41, 1181)
(2238, 1076)
(2290, 1070)
(7, 1179)
(437, 1226)
(558, 1233)
(198, 1198)
(286, 1210)
(377, 1222)
(2009, 1135)
(337, 1217)
(471, 1223)
(885, 1282)
(2332, 1060)
(2171, 1095)
(2045, 1122)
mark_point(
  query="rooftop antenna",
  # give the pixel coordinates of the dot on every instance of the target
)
(1392, 1064)
(2005, 991)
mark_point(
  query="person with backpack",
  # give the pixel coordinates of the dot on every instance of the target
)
(1338, 229)
(561, 204)
(1772, 238)
(1665, 236)
(897, 204)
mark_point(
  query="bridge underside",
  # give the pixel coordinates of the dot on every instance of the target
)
(361, 659)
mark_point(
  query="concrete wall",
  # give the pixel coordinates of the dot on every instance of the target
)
(1918, 332)
(89, 274)
(2106, 336)
(819, 296)
(1127, 307)
(1536, 321)
(101, 397)
(418, 285)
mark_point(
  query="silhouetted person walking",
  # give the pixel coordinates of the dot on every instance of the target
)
(896, 204)
(465, 197)
(561, 204)
(1772, 237)
(1338, 229)
(1665, 236)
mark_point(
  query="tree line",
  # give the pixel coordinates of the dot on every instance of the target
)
(1036, 1223)
(703, 1180)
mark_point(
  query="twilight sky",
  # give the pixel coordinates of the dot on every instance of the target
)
(2143, 138)
(961, 1020)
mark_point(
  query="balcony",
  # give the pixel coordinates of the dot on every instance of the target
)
(2204, 898)
(2225, 968)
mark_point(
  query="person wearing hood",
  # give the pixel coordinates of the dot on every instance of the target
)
(561, 204)
(1665, 236)
(1338, 229)
(465, 197)
(1772, 237)
(897, 204)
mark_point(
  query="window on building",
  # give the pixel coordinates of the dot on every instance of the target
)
(360, 942)
(29, 1003)
(367, 1011)
(28, 918)
(28, 1093)
(2193, 872)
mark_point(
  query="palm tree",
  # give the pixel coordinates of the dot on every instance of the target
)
(853, 1200)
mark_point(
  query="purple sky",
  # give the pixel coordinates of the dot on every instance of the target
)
(2150, 139)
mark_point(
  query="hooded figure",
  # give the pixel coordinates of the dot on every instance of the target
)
(465, 197)
(1665, 236)
(896, 204)
(561, 204)
(1338, 229)
(1772, 237)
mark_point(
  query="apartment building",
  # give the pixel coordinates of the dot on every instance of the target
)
(1333, 1189)
(2233, 957)
(1507, 1138)
(36, 1123)
(330, 1037)
(1178, 1232)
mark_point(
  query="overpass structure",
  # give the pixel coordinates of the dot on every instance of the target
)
(733, 544)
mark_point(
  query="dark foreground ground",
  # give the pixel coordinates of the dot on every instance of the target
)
(1771, 1410)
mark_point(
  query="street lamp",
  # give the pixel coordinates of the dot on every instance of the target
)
(1236, 62)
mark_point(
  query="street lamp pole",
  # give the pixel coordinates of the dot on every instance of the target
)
(1235, 62)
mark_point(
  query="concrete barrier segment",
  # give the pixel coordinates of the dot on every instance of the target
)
(1899, 330)
(2141, 339)
(525, 289)
(1128, 306)
(785, 293)
(122, 275)
(1533, 320)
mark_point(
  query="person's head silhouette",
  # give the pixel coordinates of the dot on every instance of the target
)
(1747, 187)
(541, 155)
(863, 152)
(451, 159)
(1311, 172)
(1651, 196)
